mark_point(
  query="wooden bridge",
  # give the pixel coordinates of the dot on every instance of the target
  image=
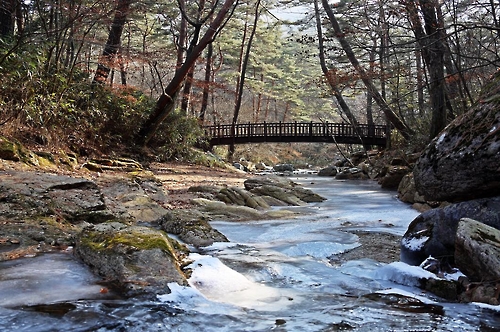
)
(272, 132)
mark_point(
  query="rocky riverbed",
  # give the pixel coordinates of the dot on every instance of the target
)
(115, 214)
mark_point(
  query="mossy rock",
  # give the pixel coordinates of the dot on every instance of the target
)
(192, 227)
(8, 150)
(13, 150)
(134, 259)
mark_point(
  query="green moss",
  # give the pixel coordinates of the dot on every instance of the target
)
(8, 150)
(134, 239)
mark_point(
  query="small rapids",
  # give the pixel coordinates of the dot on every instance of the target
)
(274, 275)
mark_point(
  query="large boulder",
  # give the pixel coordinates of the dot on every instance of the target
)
(192, 227)
(282, 189)
(462, 162)
(393, 176)
(328, 171)
(433, 233)
(477, 251)
(139, 261)
(33, 194)
(137, 198)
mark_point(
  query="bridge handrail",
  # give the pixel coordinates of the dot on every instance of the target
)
(290, 129)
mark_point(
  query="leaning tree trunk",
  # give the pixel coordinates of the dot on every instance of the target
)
(333, 86)
(241, 82)
(432, 48)
(403, 129)
(6, 18)
(165, 103)
(113, 43)
(208, 81)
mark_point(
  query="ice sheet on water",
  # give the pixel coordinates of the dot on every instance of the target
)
(278, 232)
(218, 282)
(190, 298)
(46, 279)
(361, 203)
(319, 249)
(403, 274)
(362, 268)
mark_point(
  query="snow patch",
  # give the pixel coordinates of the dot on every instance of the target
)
(413, 243)
(441, 138)
(220, 283)
(403, 274)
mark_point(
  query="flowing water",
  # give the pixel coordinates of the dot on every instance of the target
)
(273, 275)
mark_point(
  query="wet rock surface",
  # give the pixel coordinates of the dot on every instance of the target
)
(118, 222)
(134, 259)
(477, 251)
(462, 162)
(433, 233)
(282, 189)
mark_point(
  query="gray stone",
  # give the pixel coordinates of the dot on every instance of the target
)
(328, 171)
(136, 260)
(462, 162)
(433, 232)
(284, 168)
(282, 189)
(407, 192)
(34, 194)
(191, 227)
(477, 251)
(393, 176)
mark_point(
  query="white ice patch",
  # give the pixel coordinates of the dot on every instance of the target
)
(47, 278)
(319, 249)
(487, 306)
(414, 244)
(189, 298)
(441, 138)
(220, 283)
(403, 274)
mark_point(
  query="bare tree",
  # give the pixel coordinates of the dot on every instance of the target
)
(328, 75)
(429, 38)
(113, 43)
(166, 102)
(391, 116)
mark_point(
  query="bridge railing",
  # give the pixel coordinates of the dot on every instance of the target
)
(290, 129)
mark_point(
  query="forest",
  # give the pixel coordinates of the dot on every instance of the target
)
(99, 76)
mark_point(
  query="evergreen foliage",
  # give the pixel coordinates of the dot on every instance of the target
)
(49, 53)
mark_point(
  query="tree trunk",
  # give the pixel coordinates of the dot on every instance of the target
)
(389, 113)
(208, 80)
(239, 92)
(432, 49)
(436, 66)
(336, 92)
(165, 103)
(7, 15)
(113, 43)
(186, 93)
(420, 82)
(241, 81)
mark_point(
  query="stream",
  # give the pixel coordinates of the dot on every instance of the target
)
(273, 275)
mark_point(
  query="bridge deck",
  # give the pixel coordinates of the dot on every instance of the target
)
(341, 133)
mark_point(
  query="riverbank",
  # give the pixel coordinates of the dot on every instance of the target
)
(175, 181)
